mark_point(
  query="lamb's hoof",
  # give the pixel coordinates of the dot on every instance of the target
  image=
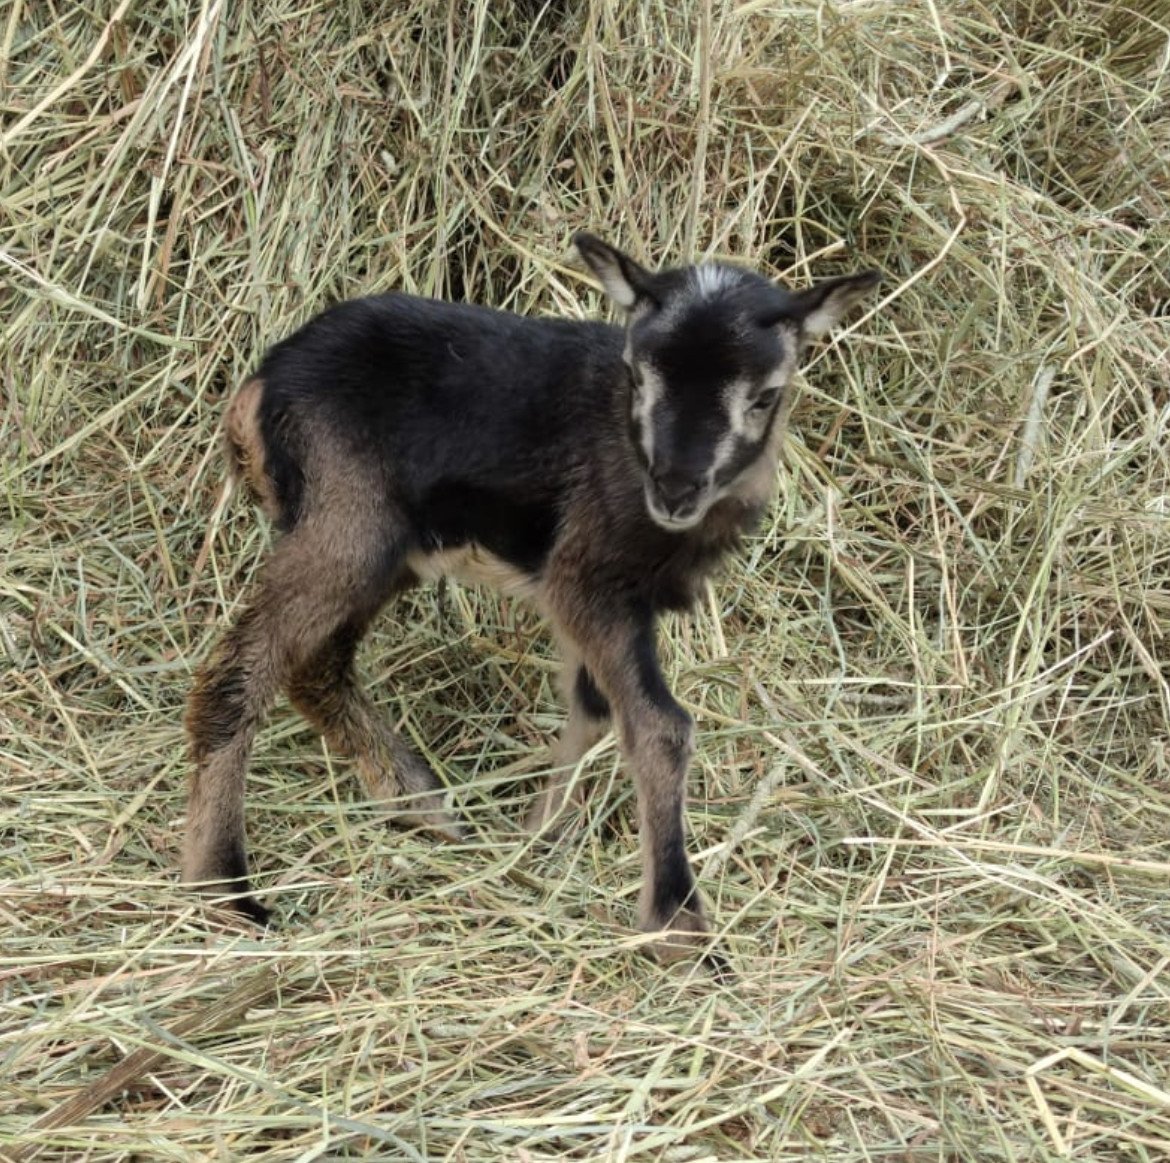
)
(237, 898)
(430, 810)
(418, 797)
(546, 816)
(683, 937)
(250, 908)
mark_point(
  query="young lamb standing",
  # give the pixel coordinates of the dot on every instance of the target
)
(601, 471)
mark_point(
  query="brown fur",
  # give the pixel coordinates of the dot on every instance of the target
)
(244, 445)
(316, 596)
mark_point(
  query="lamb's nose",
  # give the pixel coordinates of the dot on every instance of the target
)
(676, 490)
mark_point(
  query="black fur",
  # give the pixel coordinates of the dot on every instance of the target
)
(495, 470)
(592, 701)
(504, 453)
(674, 883)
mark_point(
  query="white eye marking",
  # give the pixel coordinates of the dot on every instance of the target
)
(749, 411)
(741, 424)
(740, 397)
(647, 391)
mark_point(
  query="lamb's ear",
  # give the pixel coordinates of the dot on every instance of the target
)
(625, 282)
(823, 306)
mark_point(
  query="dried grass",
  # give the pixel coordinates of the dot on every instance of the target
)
(932, 800)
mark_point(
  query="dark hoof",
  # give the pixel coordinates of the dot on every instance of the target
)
(719, 967)
(255, 912)
(680, 938)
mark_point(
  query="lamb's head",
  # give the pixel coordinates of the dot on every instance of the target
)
(710, 352)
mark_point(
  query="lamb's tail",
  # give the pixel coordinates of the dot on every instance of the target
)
(244, 449)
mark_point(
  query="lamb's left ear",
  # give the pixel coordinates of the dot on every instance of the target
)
(625, 282)
(824, 305)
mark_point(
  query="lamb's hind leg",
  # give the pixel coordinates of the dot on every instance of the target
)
(325, 690)
(233, 692)
(315, 584)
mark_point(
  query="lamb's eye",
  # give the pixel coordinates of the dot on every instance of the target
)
(764, 401)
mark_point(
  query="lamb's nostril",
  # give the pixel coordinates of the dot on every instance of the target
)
(675, 490)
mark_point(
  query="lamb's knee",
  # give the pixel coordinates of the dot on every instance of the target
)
(217, 707)
(662, 734)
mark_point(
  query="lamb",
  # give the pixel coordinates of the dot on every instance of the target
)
(601, 471)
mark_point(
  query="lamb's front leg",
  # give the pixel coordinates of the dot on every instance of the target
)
(657, 738)
(588, 721)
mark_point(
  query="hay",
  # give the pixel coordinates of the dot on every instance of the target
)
(932, 795)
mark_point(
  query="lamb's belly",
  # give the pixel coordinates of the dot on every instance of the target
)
(474, 565)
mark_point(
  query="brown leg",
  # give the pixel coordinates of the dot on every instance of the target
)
(315, 582)
(326, 692)
(232, 693)
(588, 721)
(656, 735)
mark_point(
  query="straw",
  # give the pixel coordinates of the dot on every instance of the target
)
(931, 797)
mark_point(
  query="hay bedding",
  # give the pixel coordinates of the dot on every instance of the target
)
(931, 802)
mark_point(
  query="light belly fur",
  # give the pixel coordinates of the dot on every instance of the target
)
(474, 565)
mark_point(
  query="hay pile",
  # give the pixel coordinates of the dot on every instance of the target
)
(931, 803)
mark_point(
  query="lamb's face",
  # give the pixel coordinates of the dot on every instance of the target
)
(707, 381)
(710, 353)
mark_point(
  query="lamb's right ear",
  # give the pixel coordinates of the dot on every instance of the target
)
(625, 282)
(822, 306)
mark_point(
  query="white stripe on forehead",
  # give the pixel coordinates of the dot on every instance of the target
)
(711, 278)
